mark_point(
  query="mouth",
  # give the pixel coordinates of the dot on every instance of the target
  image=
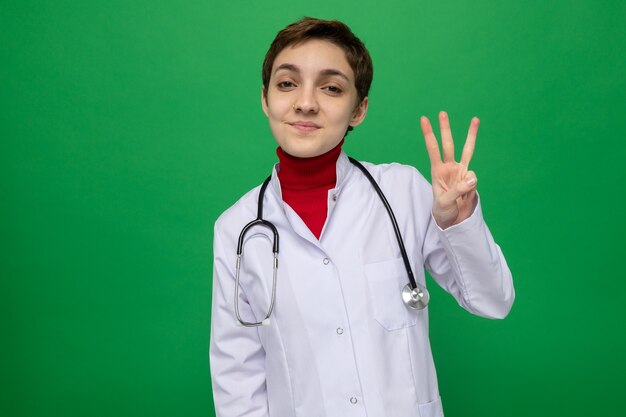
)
(304, 126)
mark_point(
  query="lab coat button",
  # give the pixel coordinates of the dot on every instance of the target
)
(353, 400)
(326, 261)
(339, 331)
(334, 197)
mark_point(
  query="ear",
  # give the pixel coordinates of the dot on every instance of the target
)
(264, 100)
(359, 113)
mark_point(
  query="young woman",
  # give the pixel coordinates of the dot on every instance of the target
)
(319, 316)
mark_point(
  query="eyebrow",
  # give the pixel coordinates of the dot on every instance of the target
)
(325, 72)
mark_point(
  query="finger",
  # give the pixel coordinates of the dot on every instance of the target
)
(471, 196)
(470, 142)
(462, 189)
(446, 137)
(467, 185)
(431, 142)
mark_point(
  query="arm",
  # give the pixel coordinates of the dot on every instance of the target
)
(465, 260)
(236, 354)
(459, 251)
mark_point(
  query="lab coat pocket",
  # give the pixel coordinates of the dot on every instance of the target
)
(385, 281)
(431, 409)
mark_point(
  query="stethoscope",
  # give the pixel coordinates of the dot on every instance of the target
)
(415, 296)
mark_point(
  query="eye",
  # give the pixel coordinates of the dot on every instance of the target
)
(333, 89)
(285, 84)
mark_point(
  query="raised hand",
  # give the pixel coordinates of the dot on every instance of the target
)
(454, 186)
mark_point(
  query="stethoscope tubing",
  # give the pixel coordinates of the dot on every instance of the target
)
(414, 296)
(259, 221)
(392, 217)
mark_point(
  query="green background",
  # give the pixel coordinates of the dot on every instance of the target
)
(127, 127)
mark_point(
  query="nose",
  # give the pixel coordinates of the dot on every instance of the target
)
(306, 102)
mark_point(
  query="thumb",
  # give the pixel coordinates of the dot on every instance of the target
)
(467, 184)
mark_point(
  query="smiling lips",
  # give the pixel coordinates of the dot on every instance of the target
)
(305, 126)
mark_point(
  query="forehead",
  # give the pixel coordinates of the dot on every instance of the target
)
(314, 55)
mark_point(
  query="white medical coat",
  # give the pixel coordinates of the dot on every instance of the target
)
(341, 342)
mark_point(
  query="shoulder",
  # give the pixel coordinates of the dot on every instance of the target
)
(239, 213)
(407, 191)
(397, 175)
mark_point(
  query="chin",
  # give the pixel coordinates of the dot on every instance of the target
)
(301, 150)
(302, 153)
(306, 146)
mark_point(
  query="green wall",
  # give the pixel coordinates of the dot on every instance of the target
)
(127, 127)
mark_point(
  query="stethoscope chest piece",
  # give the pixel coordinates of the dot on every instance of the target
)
(416, 298)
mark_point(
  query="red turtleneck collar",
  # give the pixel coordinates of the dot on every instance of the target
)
(305, 182)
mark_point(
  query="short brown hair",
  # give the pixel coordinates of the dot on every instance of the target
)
(333, 31)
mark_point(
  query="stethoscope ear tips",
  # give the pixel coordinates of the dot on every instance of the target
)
(415, 298)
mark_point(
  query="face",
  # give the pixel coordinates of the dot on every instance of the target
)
(311, 98)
